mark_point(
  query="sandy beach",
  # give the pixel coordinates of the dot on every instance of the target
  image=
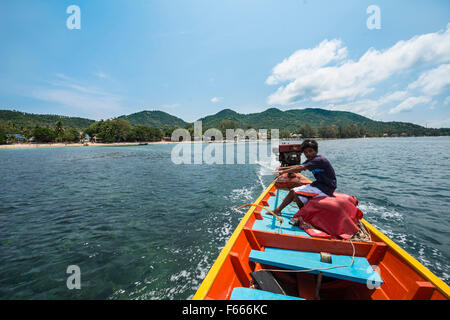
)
(57, 145)
(114, 144)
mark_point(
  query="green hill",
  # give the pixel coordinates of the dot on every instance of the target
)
(156, 119)
(317, 122)
(292, 119)
(21, 120)
(215, 120)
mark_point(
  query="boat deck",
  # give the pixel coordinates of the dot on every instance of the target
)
(270, 224)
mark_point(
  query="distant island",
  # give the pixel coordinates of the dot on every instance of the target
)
(147, 126)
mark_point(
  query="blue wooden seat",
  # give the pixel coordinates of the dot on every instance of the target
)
(255, 294)
(270, 224)
(360, 271)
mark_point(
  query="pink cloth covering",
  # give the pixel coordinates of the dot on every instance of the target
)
(331, 217)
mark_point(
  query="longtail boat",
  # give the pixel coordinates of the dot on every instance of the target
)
(268, 260)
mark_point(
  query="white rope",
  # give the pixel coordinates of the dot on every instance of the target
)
(279, 218)
(363, 235)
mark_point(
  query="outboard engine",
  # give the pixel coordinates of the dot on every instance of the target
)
(290, 155)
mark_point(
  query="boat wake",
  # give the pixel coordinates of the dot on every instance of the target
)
(407, 235)
(266, 168)
(242, 194)
(380, 212)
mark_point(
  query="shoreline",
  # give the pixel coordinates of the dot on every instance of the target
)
(112, 144)
(62, 145)
(125, 144)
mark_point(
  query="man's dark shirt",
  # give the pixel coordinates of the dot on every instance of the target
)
(324, 174)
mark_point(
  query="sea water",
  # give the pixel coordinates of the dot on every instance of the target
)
(139, 226)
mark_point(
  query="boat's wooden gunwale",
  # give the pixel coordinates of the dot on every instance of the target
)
(415, 265)
(440, 285)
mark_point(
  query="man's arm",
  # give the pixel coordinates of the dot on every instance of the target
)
(285, 168)
(291, 169)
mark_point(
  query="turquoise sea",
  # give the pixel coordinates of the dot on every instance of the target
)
(141, 227)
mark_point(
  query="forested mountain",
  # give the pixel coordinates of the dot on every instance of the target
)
(30, 121)
(155, 119)
(316, 119)
(152, 125)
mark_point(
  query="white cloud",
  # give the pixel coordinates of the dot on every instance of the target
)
(395, 96)
(433, 82)
(306, 61)
(311, 79)
(364, 107)
(432, 106)
(439, 123)
(447, 100)
(80, 97)
(369, 107)
(409, 103)
(101, 75)
(216, 99)
(66, 82)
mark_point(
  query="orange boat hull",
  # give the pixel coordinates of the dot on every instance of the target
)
(404, 278)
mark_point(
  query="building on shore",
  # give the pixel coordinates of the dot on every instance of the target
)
(15, 138)
(296, 136)
(86, 139)
(96, 139)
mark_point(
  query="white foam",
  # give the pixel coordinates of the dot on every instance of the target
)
(371, 209)
(242, 193)
(266, 167)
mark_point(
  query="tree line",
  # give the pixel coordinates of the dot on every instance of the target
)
(327, 131)
(116, 130)
(120, 130)
(353, 131)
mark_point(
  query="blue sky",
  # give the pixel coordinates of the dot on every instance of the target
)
(193, 58)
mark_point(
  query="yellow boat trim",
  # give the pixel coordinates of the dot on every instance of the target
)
(416, 265)
(212, 274)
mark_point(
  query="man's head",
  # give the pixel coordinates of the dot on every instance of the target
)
(310, 148)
